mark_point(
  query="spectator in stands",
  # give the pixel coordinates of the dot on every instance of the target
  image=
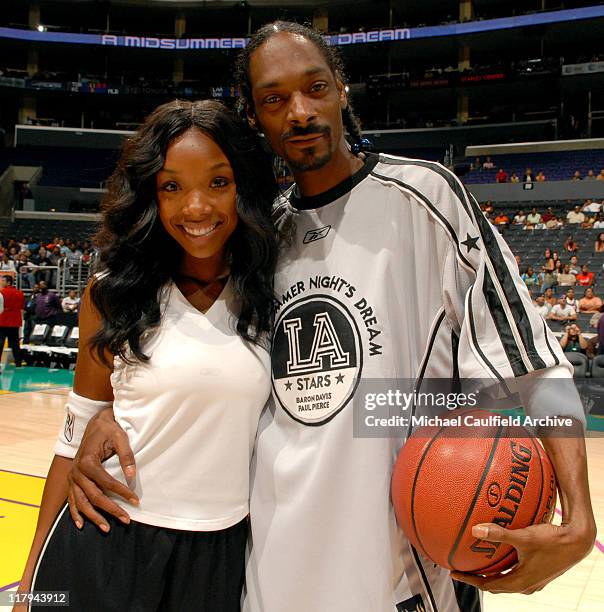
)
(41, 259)
(23, 245)
(530, 278)
(577, 176)
(540, 178)
(519, 218)
(28, 280)
(55, 259)
(533, 217)
(518, 263)
(600, 176)
(590, 302)
(476, 164)
(590, 176)
(570, 246)
(571, 300)
(29, 316)
(562, 311)
(542, 306)
(488, 164)
(574, 265)
(553, 223)
(488, 208)
(514, 178)
(592, 207)
(595, 319)
(599, 243)
(47, 305)
(71, 302)
(585, 278)
(598, 222)
(573, 341)
(549, 296)
(565, 278)
(11, 317)
(528, 176)
(6, 264)
(501, 176)
(575, 216)
(502, 219)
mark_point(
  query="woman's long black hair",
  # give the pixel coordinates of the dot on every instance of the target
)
(138, 257)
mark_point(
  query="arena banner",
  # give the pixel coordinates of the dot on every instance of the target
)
(585, 68)
(343, 39)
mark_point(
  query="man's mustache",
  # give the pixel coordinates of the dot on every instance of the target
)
(306, 131)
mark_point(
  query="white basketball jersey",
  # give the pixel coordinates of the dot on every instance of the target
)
(395, 273)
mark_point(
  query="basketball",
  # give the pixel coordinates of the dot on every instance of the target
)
(448, 479)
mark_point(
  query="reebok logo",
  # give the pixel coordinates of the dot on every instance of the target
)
(316, 234)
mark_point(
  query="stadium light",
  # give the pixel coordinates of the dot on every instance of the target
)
(41, 28)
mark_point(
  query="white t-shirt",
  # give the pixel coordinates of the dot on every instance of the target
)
(393, 274)
(191, 414)
(543, 310)
(559, 311)
(67, 301)
(575, 217)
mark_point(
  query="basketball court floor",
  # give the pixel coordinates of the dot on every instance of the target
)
(31, 412)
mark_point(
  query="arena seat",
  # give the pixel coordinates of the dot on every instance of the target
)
(597, 367)
(580, 363)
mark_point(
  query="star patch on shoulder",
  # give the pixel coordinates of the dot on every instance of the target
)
(470, 243)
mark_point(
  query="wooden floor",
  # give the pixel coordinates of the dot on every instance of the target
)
(29, 423)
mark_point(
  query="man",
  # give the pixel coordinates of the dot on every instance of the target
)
(600, 176)
(528, 176)
(533, 218)
(585, 278)
(542, 306)
(11, 317)
(324, 538)
(47, 305)
(571, 300)
(575, 216)
(590, 302)
(501, 176)
(70, 302)
(562, 311)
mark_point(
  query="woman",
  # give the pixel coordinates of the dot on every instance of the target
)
(530, 278)
(570, 245)
(549, 277)
(599, 243)
(173, 333)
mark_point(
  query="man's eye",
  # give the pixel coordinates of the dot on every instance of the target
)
(271, 99)
(318, 87)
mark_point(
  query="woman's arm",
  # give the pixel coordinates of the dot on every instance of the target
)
(92, 381)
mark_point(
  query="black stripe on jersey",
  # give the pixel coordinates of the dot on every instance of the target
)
(432, 166)
(420, 377)
(456, 382)
(510, 291)
(503, 326)
(549, 346)
(475, 339)
(433, 209)
(418, 561)
(494, 252)
(468, 596)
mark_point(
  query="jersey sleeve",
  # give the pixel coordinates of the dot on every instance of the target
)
(502, 336)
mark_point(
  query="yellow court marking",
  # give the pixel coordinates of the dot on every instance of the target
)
(20, 496)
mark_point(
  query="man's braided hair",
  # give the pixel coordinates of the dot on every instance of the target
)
(330, 54)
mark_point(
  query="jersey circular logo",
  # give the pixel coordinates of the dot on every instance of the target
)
(316, 359)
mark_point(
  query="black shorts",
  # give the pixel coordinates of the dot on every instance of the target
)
(142, 568)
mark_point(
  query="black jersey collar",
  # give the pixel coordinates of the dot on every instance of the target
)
(321, 199)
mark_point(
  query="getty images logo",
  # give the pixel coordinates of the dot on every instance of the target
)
(316, 234)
